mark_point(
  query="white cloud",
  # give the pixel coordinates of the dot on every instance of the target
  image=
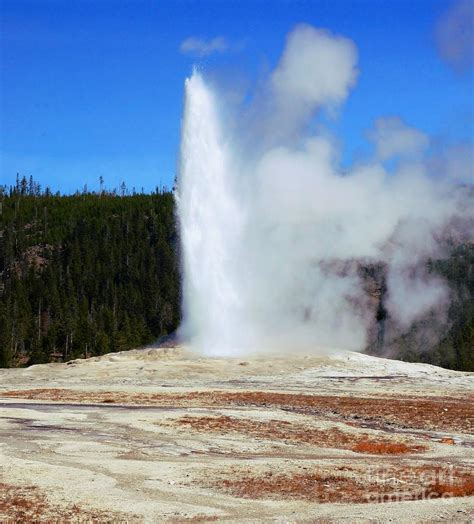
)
(456, 161)
(316, 68)
(392, 138)
(460, 163)
(201, 47)
(455, 35)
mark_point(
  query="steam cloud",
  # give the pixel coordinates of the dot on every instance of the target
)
(455, 35)
(202, 47)
(273, 231)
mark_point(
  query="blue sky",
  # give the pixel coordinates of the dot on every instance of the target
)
(94, 88)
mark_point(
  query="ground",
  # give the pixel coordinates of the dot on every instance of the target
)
(161, 435)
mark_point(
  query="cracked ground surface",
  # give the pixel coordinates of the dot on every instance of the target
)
(159, 435)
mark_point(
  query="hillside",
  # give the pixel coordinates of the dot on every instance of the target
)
(86, 274)
(443, 338)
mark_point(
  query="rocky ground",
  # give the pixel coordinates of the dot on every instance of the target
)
(160, 435)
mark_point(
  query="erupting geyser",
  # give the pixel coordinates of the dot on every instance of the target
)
(273, 237)
(210, 225)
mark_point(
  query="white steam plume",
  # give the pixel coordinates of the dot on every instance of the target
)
(273, 232)
(316, 70)
(393, 138)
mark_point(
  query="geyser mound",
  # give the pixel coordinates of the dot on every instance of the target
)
(274, 233)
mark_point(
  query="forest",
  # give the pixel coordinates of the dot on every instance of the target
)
(97, 272)
(84, 274)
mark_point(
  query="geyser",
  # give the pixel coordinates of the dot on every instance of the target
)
(210, 225)
(273, 231)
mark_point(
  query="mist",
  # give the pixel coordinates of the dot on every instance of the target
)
(274, 231)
